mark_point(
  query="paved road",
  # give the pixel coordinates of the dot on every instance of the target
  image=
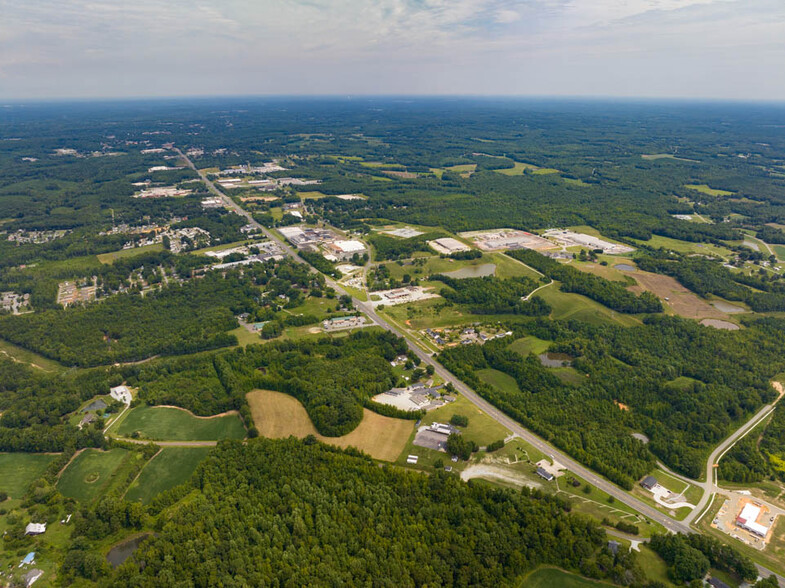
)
(578, 469)
(481, 403)
(710, 485)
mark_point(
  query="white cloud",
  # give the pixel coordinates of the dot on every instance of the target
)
(111, 47)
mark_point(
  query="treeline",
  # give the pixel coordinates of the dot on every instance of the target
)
(33, 404)
(614, 295)
(758, 457)
(387, 247)
(689, 557)
(686, 387)
(182, 318)
(491, 295)
(332, 378)
(351, 522)
(708, 276)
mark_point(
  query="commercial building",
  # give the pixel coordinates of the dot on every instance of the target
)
(649, 482)
(545, 474)
(748, 518)
(345, 249)
(448, 246)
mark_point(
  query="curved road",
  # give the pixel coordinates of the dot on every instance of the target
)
(648, 511)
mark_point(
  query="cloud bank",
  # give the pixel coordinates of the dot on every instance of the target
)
(726, 49)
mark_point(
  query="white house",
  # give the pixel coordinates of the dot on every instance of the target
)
(121, 394)
(35, 529)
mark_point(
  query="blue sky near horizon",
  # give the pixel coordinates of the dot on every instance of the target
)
(720, 49)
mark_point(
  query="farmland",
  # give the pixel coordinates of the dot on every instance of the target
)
(90, 472)
(159, 423)
(170, 467)
(277, 415)
(19, 470)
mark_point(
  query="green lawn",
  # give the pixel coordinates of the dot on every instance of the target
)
(500, 380)
(653, 566)
(171, 467)
(687, 247)
(482, 429)
(556, 578)
(19, 470)
(173, 424)
(245, 337)
(89, 473)
(530, 344)
(109, 258)
(574, 306)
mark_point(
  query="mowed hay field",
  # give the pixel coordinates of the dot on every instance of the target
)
(19, 470)
(169, 468)
(164, 423)
(278, 415)
(90, 471)
(682, 301)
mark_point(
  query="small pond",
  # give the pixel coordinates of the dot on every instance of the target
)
(473, 271)
(550, 359)
(727, 307)
(718, 324)
(625, 267)
(122, 551)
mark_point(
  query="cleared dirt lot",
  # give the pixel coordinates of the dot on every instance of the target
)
(277, 416)
(681, 301)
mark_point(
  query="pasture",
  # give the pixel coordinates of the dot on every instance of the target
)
(565, 306)
(109, 258)
(706, 189)
(19, 470)
(169, 468)
(161, 423)
(277, 415)
(530, 344)
(89, 472)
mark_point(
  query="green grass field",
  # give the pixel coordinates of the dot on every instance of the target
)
(19, 470)
(171, 467)
(482, 429)
(530, 344)
(574, 306)
(687, 247)
(160, 423)
(89, 472)
(109, 258)
(556, 578)
(500, 380)
(705, 189)
(245, 337)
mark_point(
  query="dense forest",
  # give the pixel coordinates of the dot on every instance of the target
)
(333, 378)
(490, 295)
(686, 387)
(290, 513)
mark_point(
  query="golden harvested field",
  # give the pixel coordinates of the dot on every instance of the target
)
(278, 415)
(682, 301)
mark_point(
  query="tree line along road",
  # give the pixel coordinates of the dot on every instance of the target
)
(622, 496)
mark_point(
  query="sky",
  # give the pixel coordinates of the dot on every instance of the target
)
(717, 49)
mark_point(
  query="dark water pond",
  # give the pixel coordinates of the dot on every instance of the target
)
(555, 359)
(122, 551)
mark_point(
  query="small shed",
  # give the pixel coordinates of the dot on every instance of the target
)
(35, 529)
